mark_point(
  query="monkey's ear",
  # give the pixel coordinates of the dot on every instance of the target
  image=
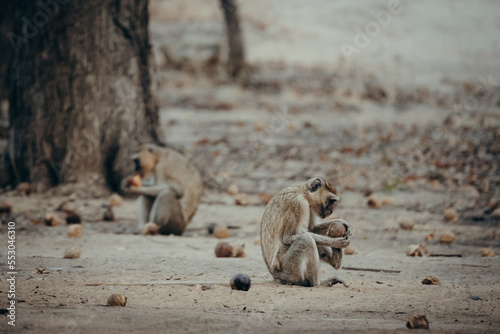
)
(151, 149)
(314, 185)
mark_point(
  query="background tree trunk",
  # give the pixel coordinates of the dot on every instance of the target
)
(81, 99)
(6, 16)
(236, 61)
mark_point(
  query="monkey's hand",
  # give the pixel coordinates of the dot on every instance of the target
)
(347, 226)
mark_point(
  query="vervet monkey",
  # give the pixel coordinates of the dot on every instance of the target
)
(291, 242)
(170, 191)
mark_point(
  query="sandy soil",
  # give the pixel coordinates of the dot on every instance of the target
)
(303, 113)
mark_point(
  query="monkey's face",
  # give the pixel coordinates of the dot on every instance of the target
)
(322, 196)
(145, 160)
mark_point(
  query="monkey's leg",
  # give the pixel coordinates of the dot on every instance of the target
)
(301, 262)
(145, 203)
(167, 213)
(332, 256)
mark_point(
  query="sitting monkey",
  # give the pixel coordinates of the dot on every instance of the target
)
(170, 191)
(291, 242)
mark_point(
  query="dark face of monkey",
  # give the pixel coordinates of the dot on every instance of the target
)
(145, 160)
(323, 197)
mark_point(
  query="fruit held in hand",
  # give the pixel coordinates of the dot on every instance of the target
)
(240, 282)
(336, 230)
(117, 300)
(134, 181)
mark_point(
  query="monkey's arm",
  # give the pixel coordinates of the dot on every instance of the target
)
(321, 228)
(156, 189)
(320, 240)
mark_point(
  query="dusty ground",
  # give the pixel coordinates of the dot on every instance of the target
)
(381, 123)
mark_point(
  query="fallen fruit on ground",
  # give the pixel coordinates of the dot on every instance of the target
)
(240, 282)
(117, 300)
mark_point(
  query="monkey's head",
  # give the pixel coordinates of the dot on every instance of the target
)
(322, 196)
(146, 159)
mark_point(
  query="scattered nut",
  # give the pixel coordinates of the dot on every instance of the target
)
(388, 201)
(418, 322)
(204, 286)
(265, 198)
(117, 300)
(233, 189)
(108, 215)
(73, 218)
(6, 208)
(75, 231)
(349, 250)
(487, 252)
(221, 232)
(52, 219)
(115, 200)
(373, 202)
(431, 280)
(241, 199)
(238, 251)
(260, 126)
(150, 229)
(451, 215)
(72, 253)
(68, 207)
(406, 223)
(415, 250)
(240, 282)
(223, 249)
(447, 237)
(336, 230)
(24, 188)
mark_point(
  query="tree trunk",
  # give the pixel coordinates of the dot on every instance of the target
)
(6, 16)
(236, 61)
(81, 100)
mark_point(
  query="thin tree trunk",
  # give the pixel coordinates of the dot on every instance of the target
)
(81, 99)
(236, 61)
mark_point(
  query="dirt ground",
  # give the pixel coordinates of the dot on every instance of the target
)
(419, 127)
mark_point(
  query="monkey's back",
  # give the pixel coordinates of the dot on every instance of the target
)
(177, 167)
(281, 217)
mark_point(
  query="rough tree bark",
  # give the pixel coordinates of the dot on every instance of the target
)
(236, 61)
(81, 100)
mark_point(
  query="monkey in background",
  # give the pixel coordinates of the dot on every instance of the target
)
(170, 191)
(291, 244)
